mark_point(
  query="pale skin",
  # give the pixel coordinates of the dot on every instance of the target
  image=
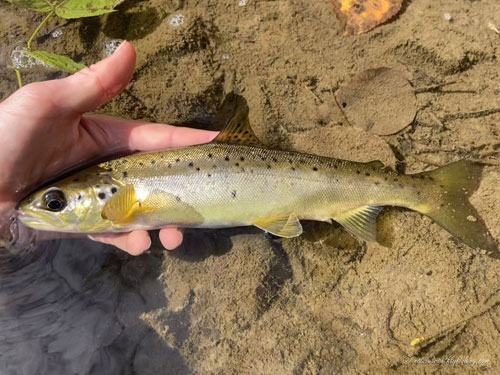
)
(45, 128)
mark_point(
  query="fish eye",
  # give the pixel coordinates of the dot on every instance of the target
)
(54, 200)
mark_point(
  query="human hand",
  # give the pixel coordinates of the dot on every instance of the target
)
(44, 130)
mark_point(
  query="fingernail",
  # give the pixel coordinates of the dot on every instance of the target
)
(120, 46)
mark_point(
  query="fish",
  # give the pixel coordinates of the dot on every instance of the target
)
(236, 181)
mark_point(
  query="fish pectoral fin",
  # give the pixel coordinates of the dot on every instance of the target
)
(287, 225)
(121, 205)
(361, 222)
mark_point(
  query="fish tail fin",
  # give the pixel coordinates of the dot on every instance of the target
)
(458, 181)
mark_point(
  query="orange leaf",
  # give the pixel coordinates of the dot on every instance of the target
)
(360, 16)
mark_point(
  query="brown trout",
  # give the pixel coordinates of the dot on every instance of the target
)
(235, 181)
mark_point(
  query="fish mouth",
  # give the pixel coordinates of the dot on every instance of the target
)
(38, 220)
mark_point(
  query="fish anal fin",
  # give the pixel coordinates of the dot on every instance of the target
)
(287, 225)
(122, 205)
(361, 221)
(238, 129)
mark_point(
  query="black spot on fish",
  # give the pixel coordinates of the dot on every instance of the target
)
(335, 167)
(419, 192)
(191, 164)
(177, 198)
(233, 193)
(315, 169)
(441, 186)
(301, 161)
(101, 195)
(169, 165)
(246, 132)
(113, 190)
(290, 161)
(162, 157)
(125, 174)
(153, 162)
(210, 156)
(421, 177)
(442, 205)
(242, 158)
(275, 160)
(214, 166)
(386, 178)
(268, 166)
(396, 180)
(76, 179)
(263, 158)
(177, 160)
(377, 183)
(98, 186)
(197, 168)
(367, 174)
(358, 172)
(237, 164)
(79, 196)
(141, 164)
(209, 175)
(293, 168)
(226, 158)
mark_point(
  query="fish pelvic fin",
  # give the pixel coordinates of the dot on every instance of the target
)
(287, 225)
(455, 213)
(361, 222)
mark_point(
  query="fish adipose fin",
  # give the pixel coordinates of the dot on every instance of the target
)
(361, 222)
(282, 226)
(455, 214)
(122, 205)
(238, 129)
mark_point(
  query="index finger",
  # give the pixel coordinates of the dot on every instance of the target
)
(146, 136)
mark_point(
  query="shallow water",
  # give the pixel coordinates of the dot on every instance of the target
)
(76, 308)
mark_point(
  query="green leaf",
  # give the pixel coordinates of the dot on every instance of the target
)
(56, 61)
(85, 8)
(38, 5)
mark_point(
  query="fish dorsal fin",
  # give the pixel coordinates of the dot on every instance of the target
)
(375, 164)
(122, 205)
(238, 129)
(287, 225)
(362, 221)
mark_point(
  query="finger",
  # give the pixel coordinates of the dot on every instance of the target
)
(144, 136)
(171, 237)
(95, 85)
(134, 243)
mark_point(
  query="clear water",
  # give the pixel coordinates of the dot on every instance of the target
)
(74, 307)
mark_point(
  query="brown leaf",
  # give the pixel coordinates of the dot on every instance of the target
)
(380, 101)
(360, 16)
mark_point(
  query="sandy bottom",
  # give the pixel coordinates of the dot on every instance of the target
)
(237, 302)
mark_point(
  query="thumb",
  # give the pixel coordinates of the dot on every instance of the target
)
(95, 85)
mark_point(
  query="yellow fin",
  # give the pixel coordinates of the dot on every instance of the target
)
(238, 129)
(121, 205)
(283, 226)
(165, 207)
(361, 222)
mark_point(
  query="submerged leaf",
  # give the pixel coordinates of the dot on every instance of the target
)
(86, 8)
(56, 61)
(380, 101)
(38, 5)
(360, 16)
